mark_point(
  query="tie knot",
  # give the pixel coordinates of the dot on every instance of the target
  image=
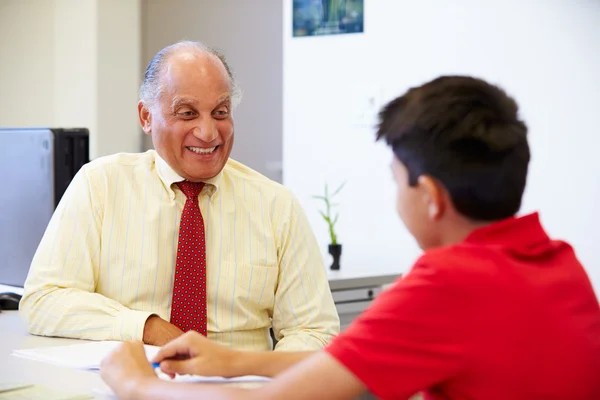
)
(191, 189)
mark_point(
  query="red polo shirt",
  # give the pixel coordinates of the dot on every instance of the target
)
(508, 314)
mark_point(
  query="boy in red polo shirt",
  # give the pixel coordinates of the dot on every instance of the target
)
(493, 310)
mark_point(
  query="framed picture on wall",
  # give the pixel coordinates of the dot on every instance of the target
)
(327, 17)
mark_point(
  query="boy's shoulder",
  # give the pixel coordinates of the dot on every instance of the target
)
(451, 256)
(496, 245)
(463, 262)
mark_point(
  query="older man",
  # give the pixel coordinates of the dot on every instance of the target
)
(148, 246)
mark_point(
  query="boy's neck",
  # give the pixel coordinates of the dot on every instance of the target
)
(456, 230)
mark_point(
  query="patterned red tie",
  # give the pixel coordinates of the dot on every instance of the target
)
(188, 311)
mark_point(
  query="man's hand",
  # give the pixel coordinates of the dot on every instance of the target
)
(194, 354)
(125, 368)
(158, 332)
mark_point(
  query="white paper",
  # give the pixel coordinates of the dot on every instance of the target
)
(87, 355)
(106, 392)
(214, 379)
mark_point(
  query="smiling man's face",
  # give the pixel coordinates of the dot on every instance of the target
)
(190, 122)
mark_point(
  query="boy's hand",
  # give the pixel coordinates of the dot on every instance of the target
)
(194, 354)
(125, 368)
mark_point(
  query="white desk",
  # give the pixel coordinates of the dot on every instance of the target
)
(353, 290)
(13, 335)
(345, 279)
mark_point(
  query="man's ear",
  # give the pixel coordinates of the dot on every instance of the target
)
(145, 118)
(433, 196)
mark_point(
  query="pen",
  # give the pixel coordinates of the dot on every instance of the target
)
(179, 357)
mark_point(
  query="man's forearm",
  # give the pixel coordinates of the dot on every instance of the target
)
(159, 332)
(266, 363)
(79, 314)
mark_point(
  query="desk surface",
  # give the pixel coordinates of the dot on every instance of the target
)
(345, 280)
(13, 335)
(351, 276)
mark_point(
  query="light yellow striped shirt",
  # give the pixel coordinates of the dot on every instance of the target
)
(107, 259)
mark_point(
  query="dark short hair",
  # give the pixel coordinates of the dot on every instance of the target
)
(466, 134)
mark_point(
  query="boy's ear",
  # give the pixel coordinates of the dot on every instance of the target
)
(433, 196)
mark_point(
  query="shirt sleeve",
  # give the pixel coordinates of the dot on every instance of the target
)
(411, 338)
(304, 314)
(59, 298)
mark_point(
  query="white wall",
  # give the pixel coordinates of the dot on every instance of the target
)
(547, 54)
(249, 34)
(72, 63)
(75, 61)
(119, 60)
(26, 90)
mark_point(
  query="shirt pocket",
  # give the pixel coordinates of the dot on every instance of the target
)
(242, 295)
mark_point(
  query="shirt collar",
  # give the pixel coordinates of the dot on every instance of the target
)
(168, 177)
(513, 232)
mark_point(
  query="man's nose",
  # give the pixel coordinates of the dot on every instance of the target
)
(206, 130)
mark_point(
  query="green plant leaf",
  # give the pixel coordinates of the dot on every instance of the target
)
(327, 213)
(338, 189)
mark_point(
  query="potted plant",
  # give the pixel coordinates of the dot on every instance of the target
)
(335, 249)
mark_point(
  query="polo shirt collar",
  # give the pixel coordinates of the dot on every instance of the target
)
(514, 232)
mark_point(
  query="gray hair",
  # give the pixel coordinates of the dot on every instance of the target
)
(152, 85)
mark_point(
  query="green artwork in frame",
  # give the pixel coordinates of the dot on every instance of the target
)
(327, 17)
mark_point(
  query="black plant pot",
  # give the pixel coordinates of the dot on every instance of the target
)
(336, 252)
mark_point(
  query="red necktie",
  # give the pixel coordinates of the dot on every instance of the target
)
(188, 311)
